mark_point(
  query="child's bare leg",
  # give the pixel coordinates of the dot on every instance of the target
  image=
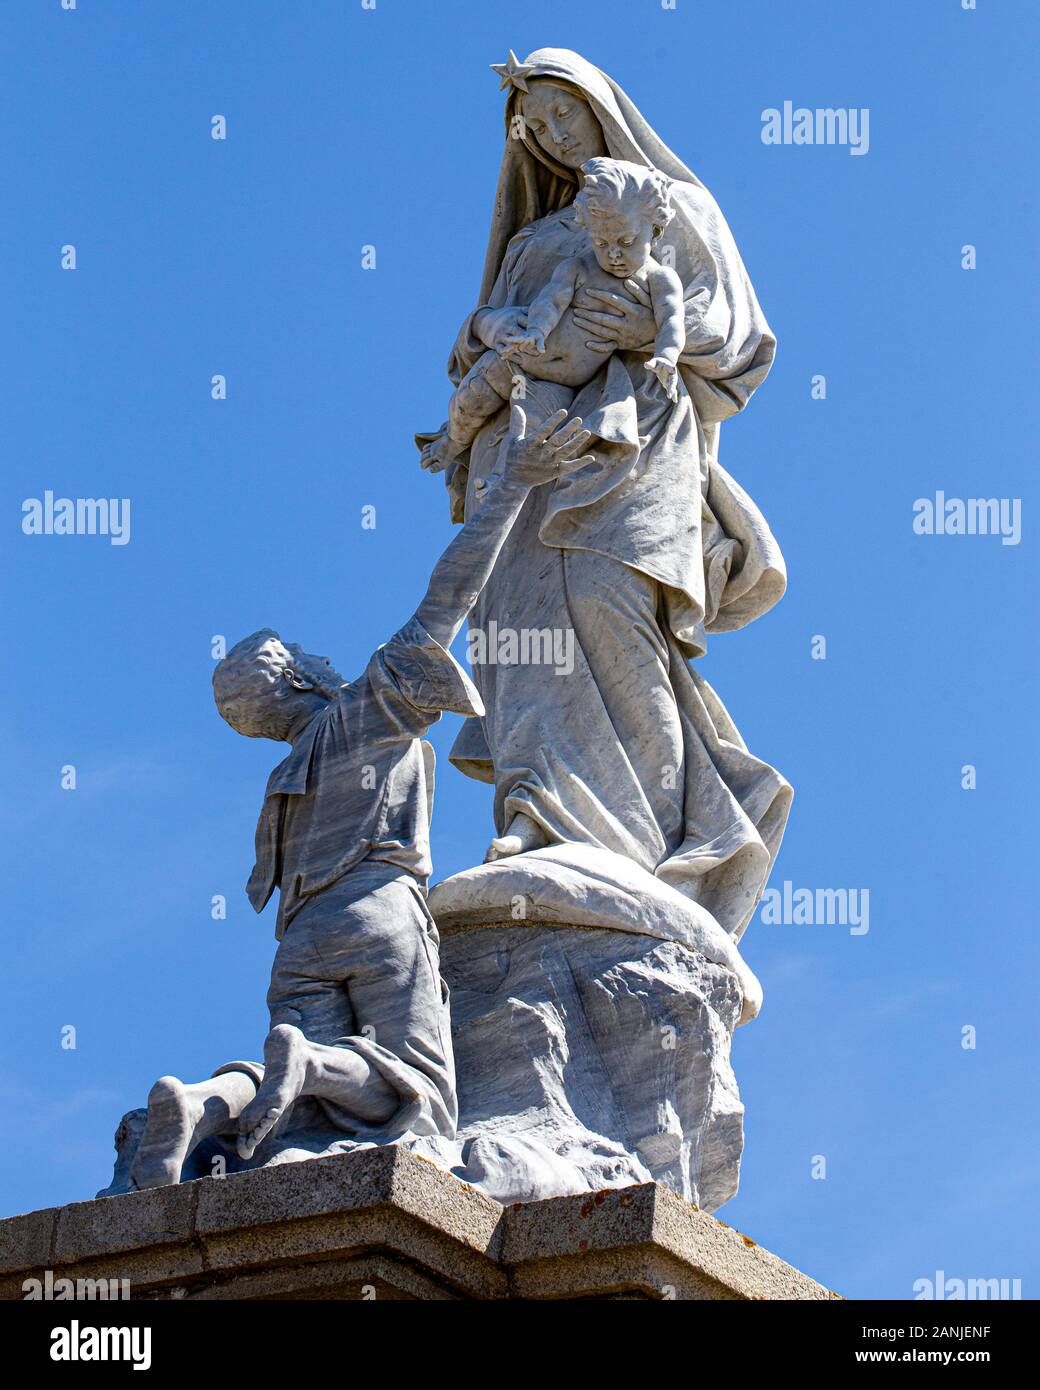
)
(522, 834)
(293, 1067)
(480, 395)
(180, 1116)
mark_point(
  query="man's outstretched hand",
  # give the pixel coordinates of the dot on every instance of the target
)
(549, 453)
(465, 567)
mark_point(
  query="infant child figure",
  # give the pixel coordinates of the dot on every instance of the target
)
(624, 208)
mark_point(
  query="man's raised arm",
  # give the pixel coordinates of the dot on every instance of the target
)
(465, 567)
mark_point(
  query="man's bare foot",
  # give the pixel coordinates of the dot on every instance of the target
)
(522, 834)
(173, 1114)
(285, 1071)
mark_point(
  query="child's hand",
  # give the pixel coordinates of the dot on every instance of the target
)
(527, 342)
(493, 326)
(667, 374)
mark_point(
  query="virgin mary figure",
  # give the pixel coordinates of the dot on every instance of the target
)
(622, 746)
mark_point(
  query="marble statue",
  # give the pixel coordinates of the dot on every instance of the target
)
(360, 1039)
(626, 804)
(643, 553)
(593, 955)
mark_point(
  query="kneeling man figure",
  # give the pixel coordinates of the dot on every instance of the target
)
(359, 1018)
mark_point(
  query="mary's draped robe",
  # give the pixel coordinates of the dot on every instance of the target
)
(641, 554)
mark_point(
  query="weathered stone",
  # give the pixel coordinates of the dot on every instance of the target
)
(387, 1224)
(27, 1240)
(559, 1247)
(378, 1197)
(589, 1059)
(593, 957)
(161, 1216)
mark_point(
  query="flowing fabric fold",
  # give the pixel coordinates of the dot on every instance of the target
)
(639, 556)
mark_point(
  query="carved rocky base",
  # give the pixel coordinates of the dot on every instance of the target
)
(589, 1059)
(592, 1039)
(382, 1223)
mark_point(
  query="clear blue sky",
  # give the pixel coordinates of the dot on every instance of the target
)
(242, 257)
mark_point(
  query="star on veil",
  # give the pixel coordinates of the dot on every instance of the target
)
(512, 71)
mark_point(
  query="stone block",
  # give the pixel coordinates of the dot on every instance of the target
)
(388, 1224)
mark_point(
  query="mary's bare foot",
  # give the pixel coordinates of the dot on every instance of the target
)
(174, 1111)
(285, 1071)
(522, 834)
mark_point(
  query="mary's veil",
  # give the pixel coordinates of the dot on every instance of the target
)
(736, 347)
(531, 183)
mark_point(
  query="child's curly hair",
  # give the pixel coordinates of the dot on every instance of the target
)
(249, 680)
(609, 182)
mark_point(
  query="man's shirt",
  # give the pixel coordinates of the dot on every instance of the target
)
(358, 783)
